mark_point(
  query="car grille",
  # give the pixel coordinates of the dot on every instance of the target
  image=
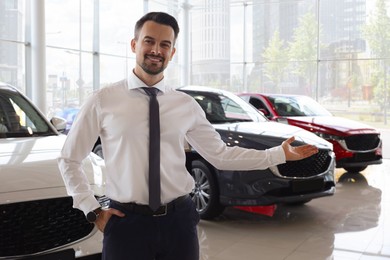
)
(364, 142)
(36, 226)
(309, 167)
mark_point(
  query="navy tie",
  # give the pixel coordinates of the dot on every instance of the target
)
(154, 149)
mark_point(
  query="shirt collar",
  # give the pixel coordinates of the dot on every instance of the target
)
(134, 82)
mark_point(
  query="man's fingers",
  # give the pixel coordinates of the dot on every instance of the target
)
(297, 152)
(290, 140)
(116, 212)
(307, 150)
(105, 215)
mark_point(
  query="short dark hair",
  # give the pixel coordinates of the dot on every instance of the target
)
(158, 17)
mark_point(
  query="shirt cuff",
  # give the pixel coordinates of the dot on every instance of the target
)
(277, 155)
(88, 204)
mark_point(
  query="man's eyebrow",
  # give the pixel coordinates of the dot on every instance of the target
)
(151, 38)
(168, 42)
(148, 38)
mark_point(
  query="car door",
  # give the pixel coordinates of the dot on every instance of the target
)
(261, 105)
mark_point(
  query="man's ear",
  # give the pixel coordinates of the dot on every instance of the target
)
(133, 43)
(173, 53)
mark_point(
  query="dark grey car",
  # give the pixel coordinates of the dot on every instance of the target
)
(239, 124)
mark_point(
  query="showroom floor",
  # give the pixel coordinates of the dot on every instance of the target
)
(352, 224)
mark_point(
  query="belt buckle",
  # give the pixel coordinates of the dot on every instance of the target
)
(165, 207)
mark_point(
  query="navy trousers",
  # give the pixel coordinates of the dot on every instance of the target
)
(142, 237)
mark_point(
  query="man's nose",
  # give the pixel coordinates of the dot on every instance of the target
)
(156, 49)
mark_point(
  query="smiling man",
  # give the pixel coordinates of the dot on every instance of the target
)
(144, 222)
(153, 45)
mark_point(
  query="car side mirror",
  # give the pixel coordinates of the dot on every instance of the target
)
(59, 123)
(264, 111)
(282, 120)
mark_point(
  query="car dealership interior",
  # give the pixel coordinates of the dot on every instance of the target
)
(261, 71)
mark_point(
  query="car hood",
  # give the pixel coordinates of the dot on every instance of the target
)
(31, 164)
(276, 130)
(329, 123)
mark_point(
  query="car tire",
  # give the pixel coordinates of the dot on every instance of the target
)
(98, 150)
(206, 193)
(355, 169)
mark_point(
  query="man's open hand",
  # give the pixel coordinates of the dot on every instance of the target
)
(294, 153)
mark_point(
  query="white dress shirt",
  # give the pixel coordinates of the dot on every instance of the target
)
(119, 114)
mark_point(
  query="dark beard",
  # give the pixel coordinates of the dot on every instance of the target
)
(149, 68)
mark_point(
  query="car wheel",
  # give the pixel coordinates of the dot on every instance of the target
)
(98, 150)
(205, 194)
(355, 169)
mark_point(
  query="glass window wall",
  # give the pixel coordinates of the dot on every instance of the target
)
(335, 51)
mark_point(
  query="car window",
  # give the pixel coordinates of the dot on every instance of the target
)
(287, 107)
(310, 107)
(259, 105)
(297, 106)
(212, 107)
(221, 109)
(233, 110)
(18, 118)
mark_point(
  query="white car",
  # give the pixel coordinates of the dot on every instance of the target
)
(36, 214)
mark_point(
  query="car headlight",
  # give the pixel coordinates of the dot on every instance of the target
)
(329, 136)
(334, 138)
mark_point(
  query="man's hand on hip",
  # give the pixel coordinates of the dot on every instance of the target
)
(105, 216)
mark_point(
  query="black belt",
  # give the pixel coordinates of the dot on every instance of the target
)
(145, 210)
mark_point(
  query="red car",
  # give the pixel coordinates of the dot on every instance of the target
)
(355, 144)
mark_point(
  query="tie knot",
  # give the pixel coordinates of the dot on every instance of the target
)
(151, 91)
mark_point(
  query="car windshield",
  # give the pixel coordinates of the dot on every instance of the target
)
(222, 109)
(297, 106)
(18, 118)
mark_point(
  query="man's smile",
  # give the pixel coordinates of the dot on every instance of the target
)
(154, 58)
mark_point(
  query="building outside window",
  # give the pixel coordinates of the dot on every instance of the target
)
(330, 50)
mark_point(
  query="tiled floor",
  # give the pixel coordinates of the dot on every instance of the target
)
(352, 224)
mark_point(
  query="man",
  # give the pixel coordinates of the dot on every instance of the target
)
(119, 115)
